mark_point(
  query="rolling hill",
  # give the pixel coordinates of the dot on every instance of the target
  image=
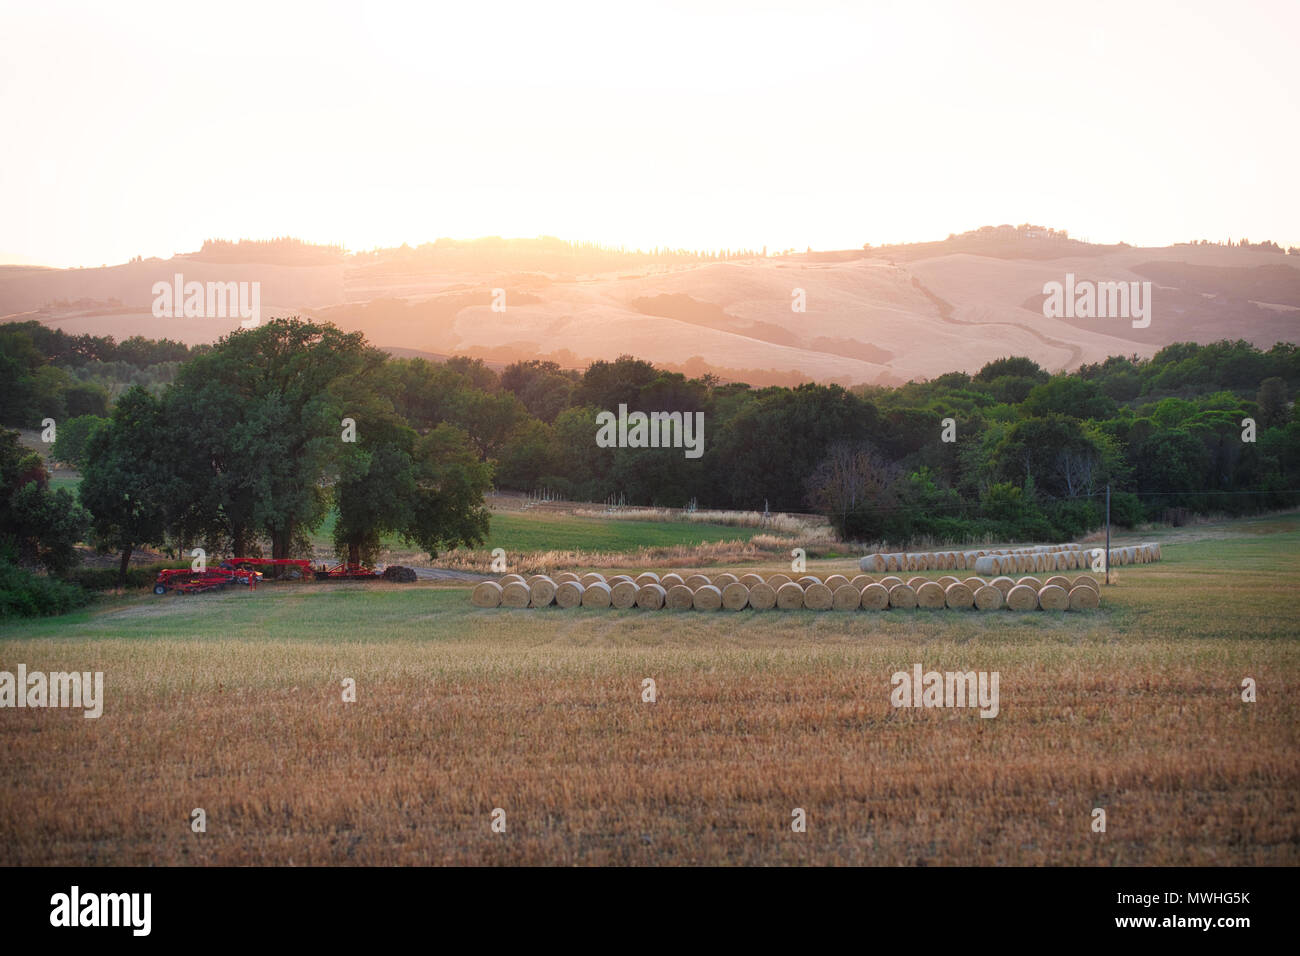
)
(880, 316)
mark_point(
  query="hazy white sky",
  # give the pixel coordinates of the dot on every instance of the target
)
(142, 129)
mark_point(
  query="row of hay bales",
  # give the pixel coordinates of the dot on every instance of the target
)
(835, 592)
(1064, 561)
(1066, 557)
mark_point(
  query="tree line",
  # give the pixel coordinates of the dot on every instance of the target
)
(261, 437)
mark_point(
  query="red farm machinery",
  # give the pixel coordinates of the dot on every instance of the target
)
(250, 571)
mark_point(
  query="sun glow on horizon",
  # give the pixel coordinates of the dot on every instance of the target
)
(700, 126)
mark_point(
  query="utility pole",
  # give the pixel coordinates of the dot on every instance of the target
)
(1108, 532)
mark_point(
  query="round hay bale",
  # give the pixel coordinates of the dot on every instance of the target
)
(541, 590)
(591, 578)
(680, 598)
(1031, 581)
(1058, 580)
(902, 596)
(1003, 584)
(807, 580)
(916, 582)
(1022, 598)
(860, 581)
(930, 595)
(507, 578)
(735, 596)
(596, 594)
(671, 579)
(614, 579)
(890, 581)
(1084, 598)
(1053, 597)
(987, 565)
(646, 577)
(515, 594)
(974, 583)
(789, 597)
(762, 596)
(834, 581)
(651, 596)
(779, 579)
(697, 581)
(947, 581)
(1086, 581)
(569, 594)
(623, 595)
(958, 596)
(561, 576)
(751, 579)
(542, 593)
(486, 594)
(875, 597)
(846, 598)
(819, 597)
(989, 598)
(707, 597)
(723, 579)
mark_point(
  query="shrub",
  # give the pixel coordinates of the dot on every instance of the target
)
(102, 579)
(1126, 509)
(24, 594)
(1074, 518)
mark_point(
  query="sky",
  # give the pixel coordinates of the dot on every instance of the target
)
(144, 129)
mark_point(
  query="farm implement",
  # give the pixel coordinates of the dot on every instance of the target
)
(189, 581)
(250, 571)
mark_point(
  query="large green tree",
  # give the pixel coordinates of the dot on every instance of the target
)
(255, 424)
(128, 479)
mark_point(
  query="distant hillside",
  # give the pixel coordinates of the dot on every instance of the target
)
(870, 316)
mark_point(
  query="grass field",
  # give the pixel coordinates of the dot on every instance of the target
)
(544, 531)
(232, 702)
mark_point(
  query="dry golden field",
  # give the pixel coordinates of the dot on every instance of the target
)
(232, 702)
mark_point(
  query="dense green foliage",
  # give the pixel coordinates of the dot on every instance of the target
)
(50, 374)
(1030, 458)
(260, 435)
(39, 526)
(24, 594)
(245, 446)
